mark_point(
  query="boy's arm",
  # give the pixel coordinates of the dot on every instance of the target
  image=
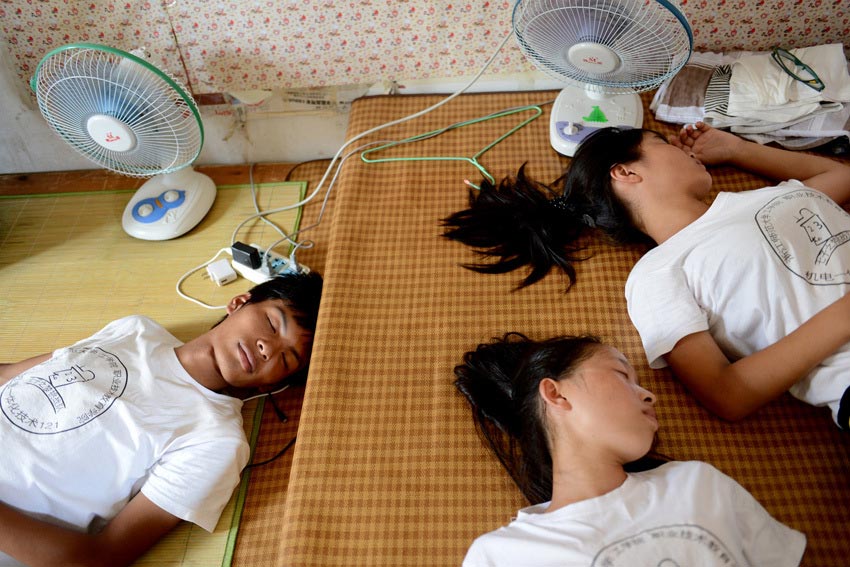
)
(735, 390)
(12, 369)
(127, 536)
(714, 147)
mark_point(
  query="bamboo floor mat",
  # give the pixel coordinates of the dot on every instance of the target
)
(67, 268)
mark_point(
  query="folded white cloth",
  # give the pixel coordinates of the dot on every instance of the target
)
(831, 124)
(760, 127)
(808, 133)
(789, 143)
(701, 91)
(760, 89)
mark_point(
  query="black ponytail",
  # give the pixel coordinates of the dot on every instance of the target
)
(516, 223)
(522, 222)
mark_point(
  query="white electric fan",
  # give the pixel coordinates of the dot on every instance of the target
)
(607, 51)
(126, 115)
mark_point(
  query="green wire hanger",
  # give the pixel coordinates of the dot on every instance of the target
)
(474, 159)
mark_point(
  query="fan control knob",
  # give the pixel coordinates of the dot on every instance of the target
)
(571, 129)
(170, 196)
(144, 210)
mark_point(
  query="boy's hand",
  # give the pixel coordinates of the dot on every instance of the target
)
(707, 144)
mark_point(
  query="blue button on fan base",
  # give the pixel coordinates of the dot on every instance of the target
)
(159, 206)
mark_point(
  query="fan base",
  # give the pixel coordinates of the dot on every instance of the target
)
(578, 112)
(169, 205)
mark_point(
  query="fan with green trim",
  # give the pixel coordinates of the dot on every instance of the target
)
(126, 115)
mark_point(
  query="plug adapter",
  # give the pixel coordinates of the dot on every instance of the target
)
(221, 273)
(246, 255)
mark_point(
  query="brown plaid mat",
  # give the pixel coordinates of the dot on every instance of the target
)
(388, 468)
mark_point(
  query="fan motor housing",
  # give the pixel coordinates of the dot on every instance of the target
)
(110, 133)
(593, 58)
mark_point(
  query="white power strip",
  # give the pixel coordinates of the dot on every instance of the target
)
(275, 264)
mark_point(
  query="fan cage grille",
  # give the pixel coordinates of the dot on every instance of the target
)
(652, 38)
(76, 82)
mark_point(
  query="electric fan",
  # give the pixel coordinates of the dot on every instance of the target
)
(128, 116)
(607, 51)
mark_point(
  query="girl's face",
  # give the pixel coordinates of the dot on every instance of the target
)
(611, 413)
(667, 166)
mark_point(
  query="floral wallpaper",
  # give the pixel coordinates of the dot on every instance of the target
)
(216, 46)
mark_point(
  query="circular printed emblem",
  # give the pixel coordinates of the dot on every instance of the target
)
(677, 545)
(65, 392)
(813, 236)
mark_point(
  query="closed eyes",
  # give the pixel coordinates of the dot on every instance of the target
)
(627, 376)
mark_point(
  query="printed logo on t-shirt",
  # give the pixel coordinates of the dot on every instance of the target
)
(58, 395)
(807, 231)
(677, 545)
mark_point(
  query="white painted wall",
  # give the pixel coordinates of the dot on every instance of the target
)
(275, 131)
(27, 144)
(271, 138)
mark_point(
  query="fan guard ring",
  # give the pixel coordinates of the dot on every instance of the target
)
(651, 40)
(83, 88)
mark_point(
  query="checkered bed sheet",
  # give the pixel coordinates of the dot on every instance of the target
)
(389, 469)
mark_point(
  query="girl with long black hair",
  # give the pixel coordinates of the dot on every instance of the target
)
(744, 298)
(568, 420)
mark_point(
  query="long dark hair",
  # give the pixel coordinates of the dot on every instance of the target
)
(521, 222)
(500, 381)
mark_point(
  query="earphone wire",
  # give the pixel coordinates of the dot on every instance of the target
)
(286, 447)
(254, 397)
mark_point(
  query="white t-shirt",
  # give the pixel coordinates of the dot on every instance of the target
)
(750, 271)
(681, 513)
(113, 414)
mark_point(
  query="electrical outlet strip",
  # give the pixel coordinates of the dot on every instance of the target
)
(275, 264)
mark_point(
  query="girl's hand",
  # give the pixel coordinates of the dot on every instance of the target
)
(707, 144)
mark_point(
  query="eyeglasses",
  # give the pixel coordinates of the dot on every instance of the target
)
(796, 68)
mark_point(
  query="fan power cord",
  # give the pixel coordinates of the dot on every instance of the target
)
(334, 159)
(370, 131)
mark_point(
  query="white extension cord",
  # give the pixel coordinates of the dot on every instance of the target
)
(271, 264)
